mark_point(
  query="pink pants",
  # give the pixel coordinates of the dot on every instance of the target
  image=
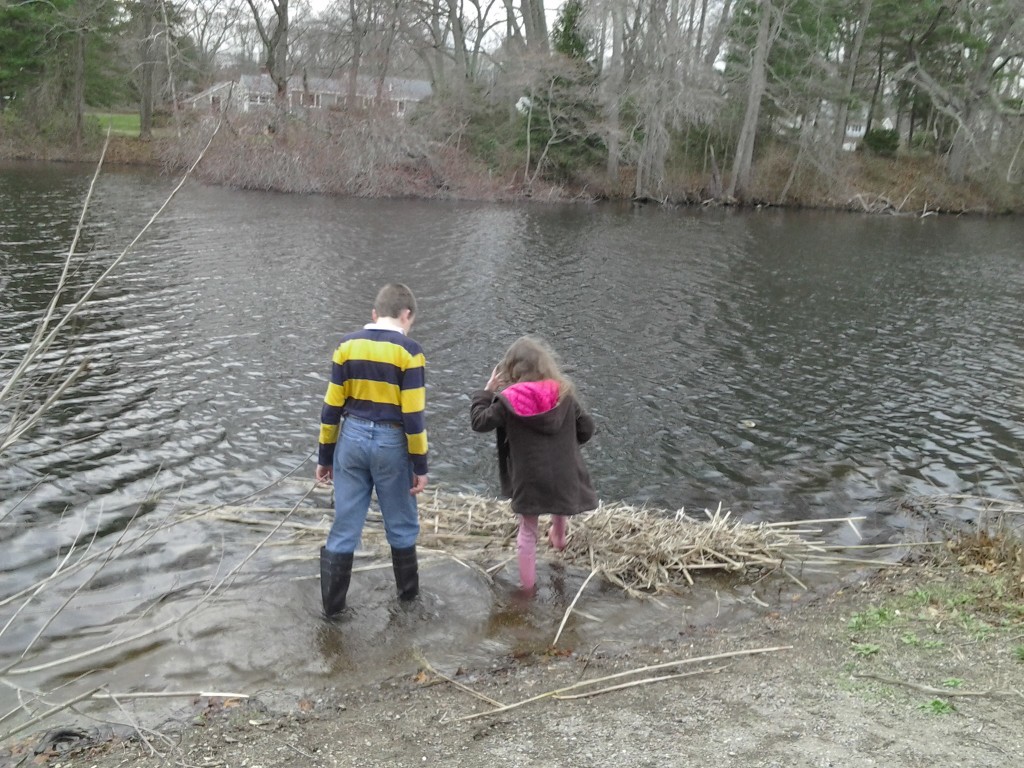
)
(526, 545)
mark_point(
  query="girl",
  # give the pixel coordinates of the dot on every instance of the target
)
(540, 428)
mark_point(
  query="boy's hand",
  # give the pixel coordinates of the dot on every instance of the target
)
(324, 474)
(419, 482)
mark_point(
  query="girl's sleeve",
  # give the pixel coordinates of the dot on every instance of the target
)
(584, 425)
(486, 412)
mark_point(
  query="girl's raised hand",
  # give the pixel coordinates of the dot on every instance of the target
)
(495, 381)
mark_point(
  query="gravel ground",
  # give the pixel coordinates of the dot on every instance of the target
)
(915, 666)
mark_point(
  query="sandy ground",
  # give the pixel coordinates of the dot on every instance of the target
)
(915, 666)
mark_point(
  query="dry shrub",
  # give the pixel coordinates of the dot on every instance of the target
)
(992, 546)
(769, 173)
(365, 155)
(915, 184)
(907, 184)
(997, 551)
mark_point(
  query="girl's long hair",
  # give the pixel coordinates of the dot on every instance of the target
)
(531, 359)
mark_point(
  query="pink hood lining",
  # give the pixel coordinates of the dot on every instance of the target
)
(530, 398)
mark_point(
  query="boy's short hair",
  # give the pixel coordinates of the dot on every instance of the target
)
(392, 299)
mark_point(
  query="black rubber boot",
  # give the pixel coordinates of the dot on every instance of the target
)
(335, 575)
(407, 577)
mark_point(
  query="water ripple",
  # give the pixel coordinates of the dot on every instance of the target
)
(788, 365)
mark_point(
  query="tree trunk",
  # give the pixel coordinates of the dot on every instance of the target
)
(979, 87)
(613, 92)
(535, 25)
(758, 81)
(458, 36)
(146, 70)
(357, 55)
(279, 52)
(842, 118)
(275, 43)
(878, 87)
(385, 56)
(699, 42)
(715, 46)
(78, 87)
(170, 67)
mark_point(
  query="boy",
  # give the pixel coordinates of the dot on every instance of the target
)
(378, 386)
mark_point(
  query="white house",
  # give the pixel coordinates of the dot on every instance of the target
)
(255, 91)
(856, 127)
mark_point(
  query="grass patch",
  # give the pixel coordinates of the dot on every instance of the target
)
(937, 707)
(866, 649)
(873, 618)
(120, 123)
(915, 640)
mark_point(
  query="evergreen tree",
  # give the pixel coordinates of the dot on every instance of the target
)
(568, 36)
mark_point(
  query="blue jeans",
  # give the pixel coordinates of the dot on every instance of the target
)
(371, 456)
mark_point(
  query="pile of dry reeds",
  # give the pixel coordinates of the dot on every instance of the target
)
(643, 550)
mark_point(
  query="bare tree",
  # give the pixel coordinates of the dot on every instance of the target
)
(274, 34)
(657, 68)
(212, 25)
(612, 92)
(450, 35)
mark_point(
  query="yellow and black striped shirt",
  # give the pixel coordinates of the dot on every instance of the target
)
(380, 375)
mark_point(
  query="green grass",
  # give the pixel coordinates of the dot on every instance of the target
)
(937, 707)
(866, 649)
(873, 618)
(120, 123)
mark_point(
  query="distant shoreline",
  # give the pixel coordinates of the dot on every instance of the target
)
(903, 195)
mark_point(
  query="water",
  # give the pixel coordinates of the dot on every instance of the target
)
(789, 365)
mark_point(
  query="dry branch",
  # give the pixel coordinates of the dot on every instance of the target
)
(948, 692)
(619, 675)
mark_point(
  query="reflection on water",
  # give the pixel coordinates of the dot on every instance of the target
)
(790, 365)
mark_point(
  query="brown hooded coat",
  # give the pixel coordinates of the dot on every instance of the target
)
(540, 465)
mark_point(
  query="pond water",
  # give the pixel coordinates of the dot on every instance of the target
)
(790, 365)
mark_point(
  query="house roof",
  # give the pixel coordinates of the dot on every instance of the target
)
(210, 91)
(395, 87)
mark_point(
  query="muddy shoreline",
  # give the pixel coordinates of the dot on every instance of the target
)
(905, 666)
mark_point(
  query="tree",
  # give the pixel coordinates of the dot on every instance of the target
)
(23, 30)
(569, 37)
(210, 25)
(274, 34)
(852, 50)
(147, 66)
(990, 35)
(756, 84)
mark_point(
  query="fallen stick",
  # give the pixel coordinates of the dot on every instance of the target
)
(938, 691)
(430, 668)
(572, 605)
(644, 681)
(640, 670)
(52, 711)
(172, 695)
